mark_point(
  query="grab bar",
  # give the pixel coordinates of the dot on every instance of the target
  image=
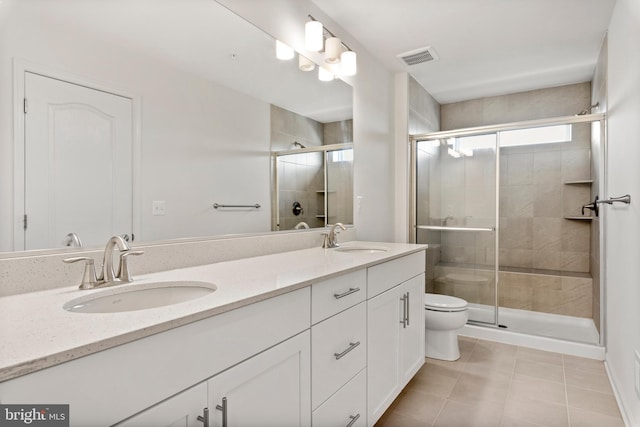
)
(217, 205)
(443, 228)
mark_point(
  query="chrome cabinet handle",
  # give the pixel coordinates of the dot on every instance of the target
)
(404, 310)
(344, 294)
(352, 345)
(223, 408)
(204, 418)
(407, 310)
(354, 418)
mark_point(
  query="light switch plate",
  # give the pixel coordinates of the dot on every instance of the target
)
(158, 208)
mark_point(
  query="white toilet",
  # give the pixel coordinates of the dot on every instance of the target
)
(444, 315)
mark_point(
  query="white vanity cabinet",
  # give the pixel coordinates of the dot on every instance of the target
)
(269, 389)
(395, 320)
(181, 410)
(339, 350)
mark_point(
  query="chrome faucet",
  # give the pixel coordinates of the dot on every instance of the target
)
(331, 238)
(108, 275)
(72, 239)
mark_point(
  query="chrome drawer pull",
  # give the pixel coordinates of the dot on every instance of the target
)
(204, 418)
(223, 408)
(344, 294)
(352, 345)
(354, 418)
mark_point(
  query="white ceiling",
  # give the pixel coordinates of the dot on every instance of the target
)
(485, 47)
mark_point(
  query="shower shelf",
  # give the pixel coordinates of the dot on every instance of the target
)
(578, 218)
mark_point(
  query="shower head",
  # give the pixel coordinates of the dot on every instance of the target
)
(297, 144)
(588, 110)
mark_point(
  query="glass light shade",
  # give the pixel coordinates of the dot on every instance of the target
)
(283, 51)
(348, 65)
(332, 50)
(305, 64)
(324, 75)
(313, 36)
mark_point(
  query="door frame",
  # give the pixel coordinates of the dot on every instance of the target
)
(20, 67)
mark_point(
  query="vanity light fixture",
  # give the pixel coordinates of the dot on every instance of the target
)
(335, 50)
(324, 75)
(283, 51)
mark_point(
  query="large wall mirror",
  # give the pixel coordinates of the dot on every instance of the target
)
(205, 102)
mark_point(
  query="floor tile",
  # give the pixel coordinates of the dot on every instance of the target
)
(542, 413)
(602, 403)
(501, 385)
(534, 355)
(538, 390)
(422, 407)
(456, 414)
(583, 418)
(596, 380)
(543, 371)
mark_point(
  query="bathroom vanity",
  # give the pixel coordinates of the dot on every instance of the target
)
(312, 337)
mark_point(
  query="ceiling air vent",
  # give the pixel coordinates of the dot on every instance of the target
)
(418, 56)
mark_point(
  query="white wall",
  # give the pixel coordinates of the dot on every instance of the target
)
(621, 222)
(373, 99)
(201, 142)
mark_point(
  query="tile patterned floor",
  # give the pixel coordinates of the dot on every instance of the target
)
(501, 385)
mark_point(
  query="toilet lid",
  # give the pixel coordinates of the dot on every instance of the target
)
(444, 302)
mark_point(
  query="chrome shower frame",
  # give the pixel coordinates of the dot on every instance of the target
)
(584, 118)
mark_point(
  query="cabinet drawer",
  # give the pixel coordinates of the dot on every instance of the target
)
(337, 294)
(338, 351)
(384, 276)
(348, 405)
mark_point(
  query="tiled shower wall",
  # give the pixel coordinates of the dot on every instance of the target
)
(302, 175)
(538, 192)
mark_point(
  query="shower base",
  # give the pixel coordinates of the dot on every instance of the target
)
(550, 332)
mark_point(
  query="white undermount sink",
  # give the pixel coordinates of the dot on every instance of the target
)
(361, 249)
(140, 297)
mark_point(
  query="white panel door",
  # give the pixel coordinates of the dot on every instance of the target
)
(78, 163)
(384, 313)
(271, 389)
(412, 336)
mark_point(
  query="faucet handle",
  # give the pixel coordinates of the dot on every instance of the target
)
(89, 279)
(325, 241)
(124, 273)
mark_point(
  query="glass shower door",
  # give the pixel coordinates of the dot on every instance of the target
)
(456, 215)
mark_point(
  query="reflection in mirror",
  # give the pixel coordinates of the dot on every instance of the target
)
(201, 84)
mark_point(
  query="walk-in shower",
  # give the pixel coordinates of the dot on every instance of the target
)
(500, 208)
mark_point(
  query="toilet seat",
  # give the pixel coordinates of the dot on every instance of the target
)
(446, 303)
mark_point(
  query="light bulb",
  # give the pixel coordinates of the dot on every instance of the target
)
(348, 63)
(283, 51)
(324, 75)
(305, 64)
(313, 36)
(332, 50)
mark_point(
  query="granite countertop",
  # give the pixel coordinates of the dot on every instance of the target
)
(36, 332)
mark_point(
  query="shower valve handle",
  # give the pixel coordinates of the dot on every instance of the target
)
(592, 206)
